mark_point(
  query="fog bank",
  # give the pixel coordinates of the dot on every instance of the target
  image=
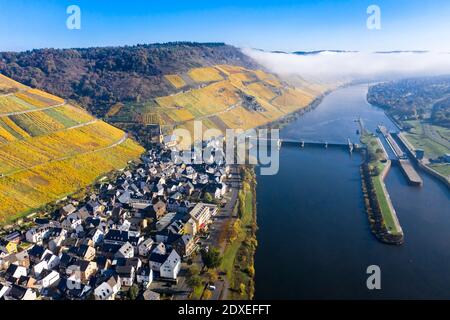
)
(330, 66)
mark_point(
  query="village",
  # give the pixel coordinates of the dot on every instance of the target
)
(135, 237)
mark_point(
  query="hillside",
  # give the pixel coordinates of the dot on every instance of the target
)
(50, 148)
(100, 77)
(170, 84)
(225, 96)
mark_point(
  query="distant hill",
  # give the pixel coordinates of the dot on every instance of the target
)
(97, 78)
(422, 97)
(50, 149)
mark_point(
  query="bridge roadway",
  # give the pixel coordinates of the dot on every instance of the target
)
(304, 143)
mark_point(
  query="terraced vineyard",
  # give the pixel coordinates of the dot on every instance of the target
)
(50, 149)
(226, 96)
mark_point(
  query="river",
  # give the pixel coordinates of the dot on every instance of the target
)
(314, 240)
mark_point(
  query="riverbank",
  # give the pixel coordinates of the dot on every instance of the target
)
(383, 218)
(238, 257)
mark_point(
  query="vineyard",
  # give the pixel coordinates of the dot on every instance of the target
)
(232, 97)
(51, 149)
(175, 80)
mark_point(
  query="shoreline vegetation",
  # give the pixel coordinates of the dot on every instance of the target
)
(238, 257)
(383, 219)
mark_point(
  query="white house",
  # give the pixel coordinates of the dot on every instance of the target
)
(145, 276)
(40, 267)
(19, 293)
(108, 289)
(126, 274)
(16, 271)
(52, 260)
(145, 247)
(125, 251)
(171, 267)
(97, 237)
(50, 279)
(71, 223)
(36, 235)
(56, 242)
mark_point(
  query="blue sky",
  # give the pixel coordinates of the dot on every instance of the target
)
(271, 25)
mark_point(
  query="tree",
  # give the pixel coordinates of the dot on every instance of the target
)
(133, 292)
(207, 294)
(242, 288)
(194, 270)
(194, 281)
(211, 258)
(209, 198)
(251, 271)
(212, 275)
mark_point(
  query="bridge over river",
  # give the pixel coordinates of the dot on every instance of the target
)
(305, 143)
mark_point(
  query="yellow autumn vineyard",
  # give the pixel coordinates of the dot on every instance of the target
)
(50, 149)
(216, 97)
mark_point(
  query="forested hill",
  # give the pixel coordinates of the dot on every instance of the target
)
(101, 76)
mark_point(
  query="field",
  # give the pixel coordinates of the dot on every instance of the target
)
(434, 140)
(48, 154)
(8, 85)
(175, 80)
(205, 74)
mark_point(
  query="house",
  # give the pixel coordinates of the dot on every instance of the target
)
(8, 247)
(14, 236)
(36, 253)
(145, 247)
(14, 272)
(190, 227)
(83, 268)
(202, 213)
(68, 209)
(27, 282)
(23, 259)
(84, 252)
(56, 243)
(71, 222)
(184, 245)
(50, 279)
(19, 293)
(126, 274)
(159, 208)
(168, 265)
(119, 237)
(97, 236)
(37, 234)
(145, 276)
(171, 266)
(108, 289)
(39, 268)
(125, 251)
(51, 259)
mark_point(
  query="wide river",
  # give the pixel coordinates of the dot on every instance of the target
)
(314, 237)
